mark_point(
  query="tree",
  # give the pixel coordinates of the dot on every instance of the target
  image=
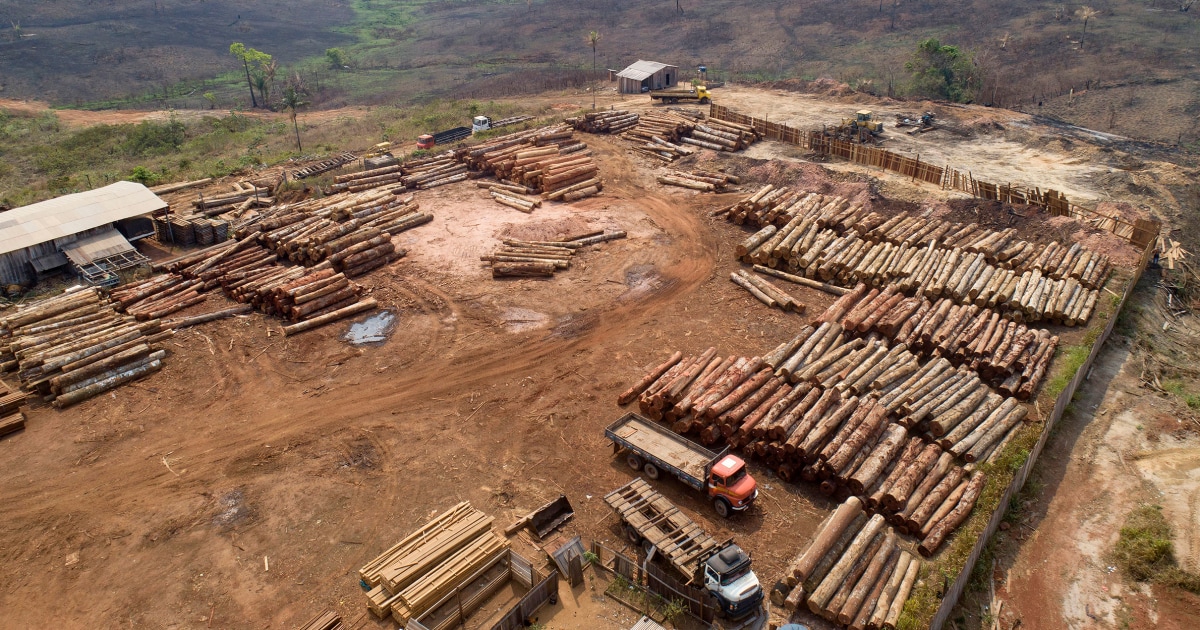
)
(337, 58)
(1085, 13)
(294, 94)
(212, 100)
(248, 57)
(265, 79)
(593, 38)
(943, 72)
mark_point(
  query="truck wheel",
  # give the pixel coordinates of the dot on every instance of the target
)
(704, 101)
(722, 507)
(634, 461)
(651, 470)
(633, 535)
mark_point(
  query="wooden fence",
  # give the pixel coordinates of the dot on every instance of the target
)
(697, 602)
(533, 600)
(950, 599)
(1140, 233)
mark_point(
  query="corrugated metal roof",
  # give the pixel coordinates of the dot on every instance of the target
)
(641, 70)
(70, 214)
(102, 245)
(646, 623)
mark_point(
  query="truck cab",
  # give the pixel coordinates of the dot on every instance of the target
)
(730, 486)
(728, 576)
(425, 142)
(481, 123)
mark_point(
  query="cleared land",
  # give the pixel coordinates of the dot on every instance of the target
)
(156, 505)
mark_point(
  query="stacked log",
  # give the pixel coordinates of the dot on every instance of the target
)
(854, 573)
(413, 575)
(419, 173)
(766, 292)
(547, 160)
(73, 346)
(967, 278)
(540, 259)
(703, 181)
(1000, 249)
(614, 121)
(1008, 355)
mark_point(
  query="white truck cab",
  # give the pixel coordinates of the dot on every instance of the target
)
(728, 576)
(481, 123)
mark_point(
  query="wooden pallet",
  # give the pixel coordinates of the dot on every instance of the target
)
(324, 166)
(675, 535)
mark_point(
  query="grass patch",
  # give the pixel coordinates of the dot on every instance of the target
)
(1069, 360)
(1144, 551)
(41, 158)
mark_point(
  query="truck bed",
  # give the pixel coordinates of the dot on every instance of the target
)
(666, 445)
(676, 536)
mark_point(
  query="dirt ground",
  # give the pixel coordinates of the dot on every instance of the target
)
(245, 484)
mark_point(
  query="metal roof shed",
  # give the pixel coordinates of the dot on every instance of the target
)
(651, 75)
(39, 232)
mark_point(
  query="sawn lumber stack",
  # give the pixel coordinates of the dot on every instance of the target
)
(415, 573)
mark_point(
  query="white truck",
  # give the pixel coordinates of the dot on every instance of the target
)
(723, 568)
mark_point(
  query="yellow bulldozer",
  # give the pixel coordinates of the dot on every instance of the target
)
(863, 127)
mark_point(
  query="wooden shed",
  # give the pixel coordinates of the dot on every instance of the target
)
(79, 228)
(646, 75)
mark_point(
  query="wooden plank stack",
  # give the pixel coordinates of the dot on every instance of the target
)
(75, 345)
(11, 417)
(541, 259)
(415, 573)
(327, 620)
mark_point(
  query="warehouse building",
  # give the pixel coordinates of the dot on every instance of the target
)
(89, 231)
(646, 75)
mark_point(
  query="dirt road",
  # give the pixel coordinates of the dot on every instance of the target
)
(167, 501)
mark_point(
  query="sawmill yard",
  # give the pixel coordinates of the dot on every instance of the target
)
(246, 483)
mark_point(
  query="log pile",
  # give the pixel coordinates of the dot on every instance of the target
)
(704, 181)
(413, 575)
(766, 292)
(855, 573)
(857, 416)
(421, 173)
(1008, 355)
(541, 259)
(810, 244)
(669, 135)
(547, 160)
(614, 121)
(73, 346)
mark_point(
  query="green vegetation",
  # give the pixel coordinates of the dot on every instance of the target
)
(1144, 551)
(41, 158)
(1068, 360)
(942, 72)
(262, 65)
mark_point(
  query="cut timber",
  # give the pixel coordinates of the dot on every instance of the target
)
(329, 318)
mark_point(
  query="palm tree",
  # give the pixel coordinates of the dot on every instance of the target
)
(293, 99)
(1085, 13)
(593, 38)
